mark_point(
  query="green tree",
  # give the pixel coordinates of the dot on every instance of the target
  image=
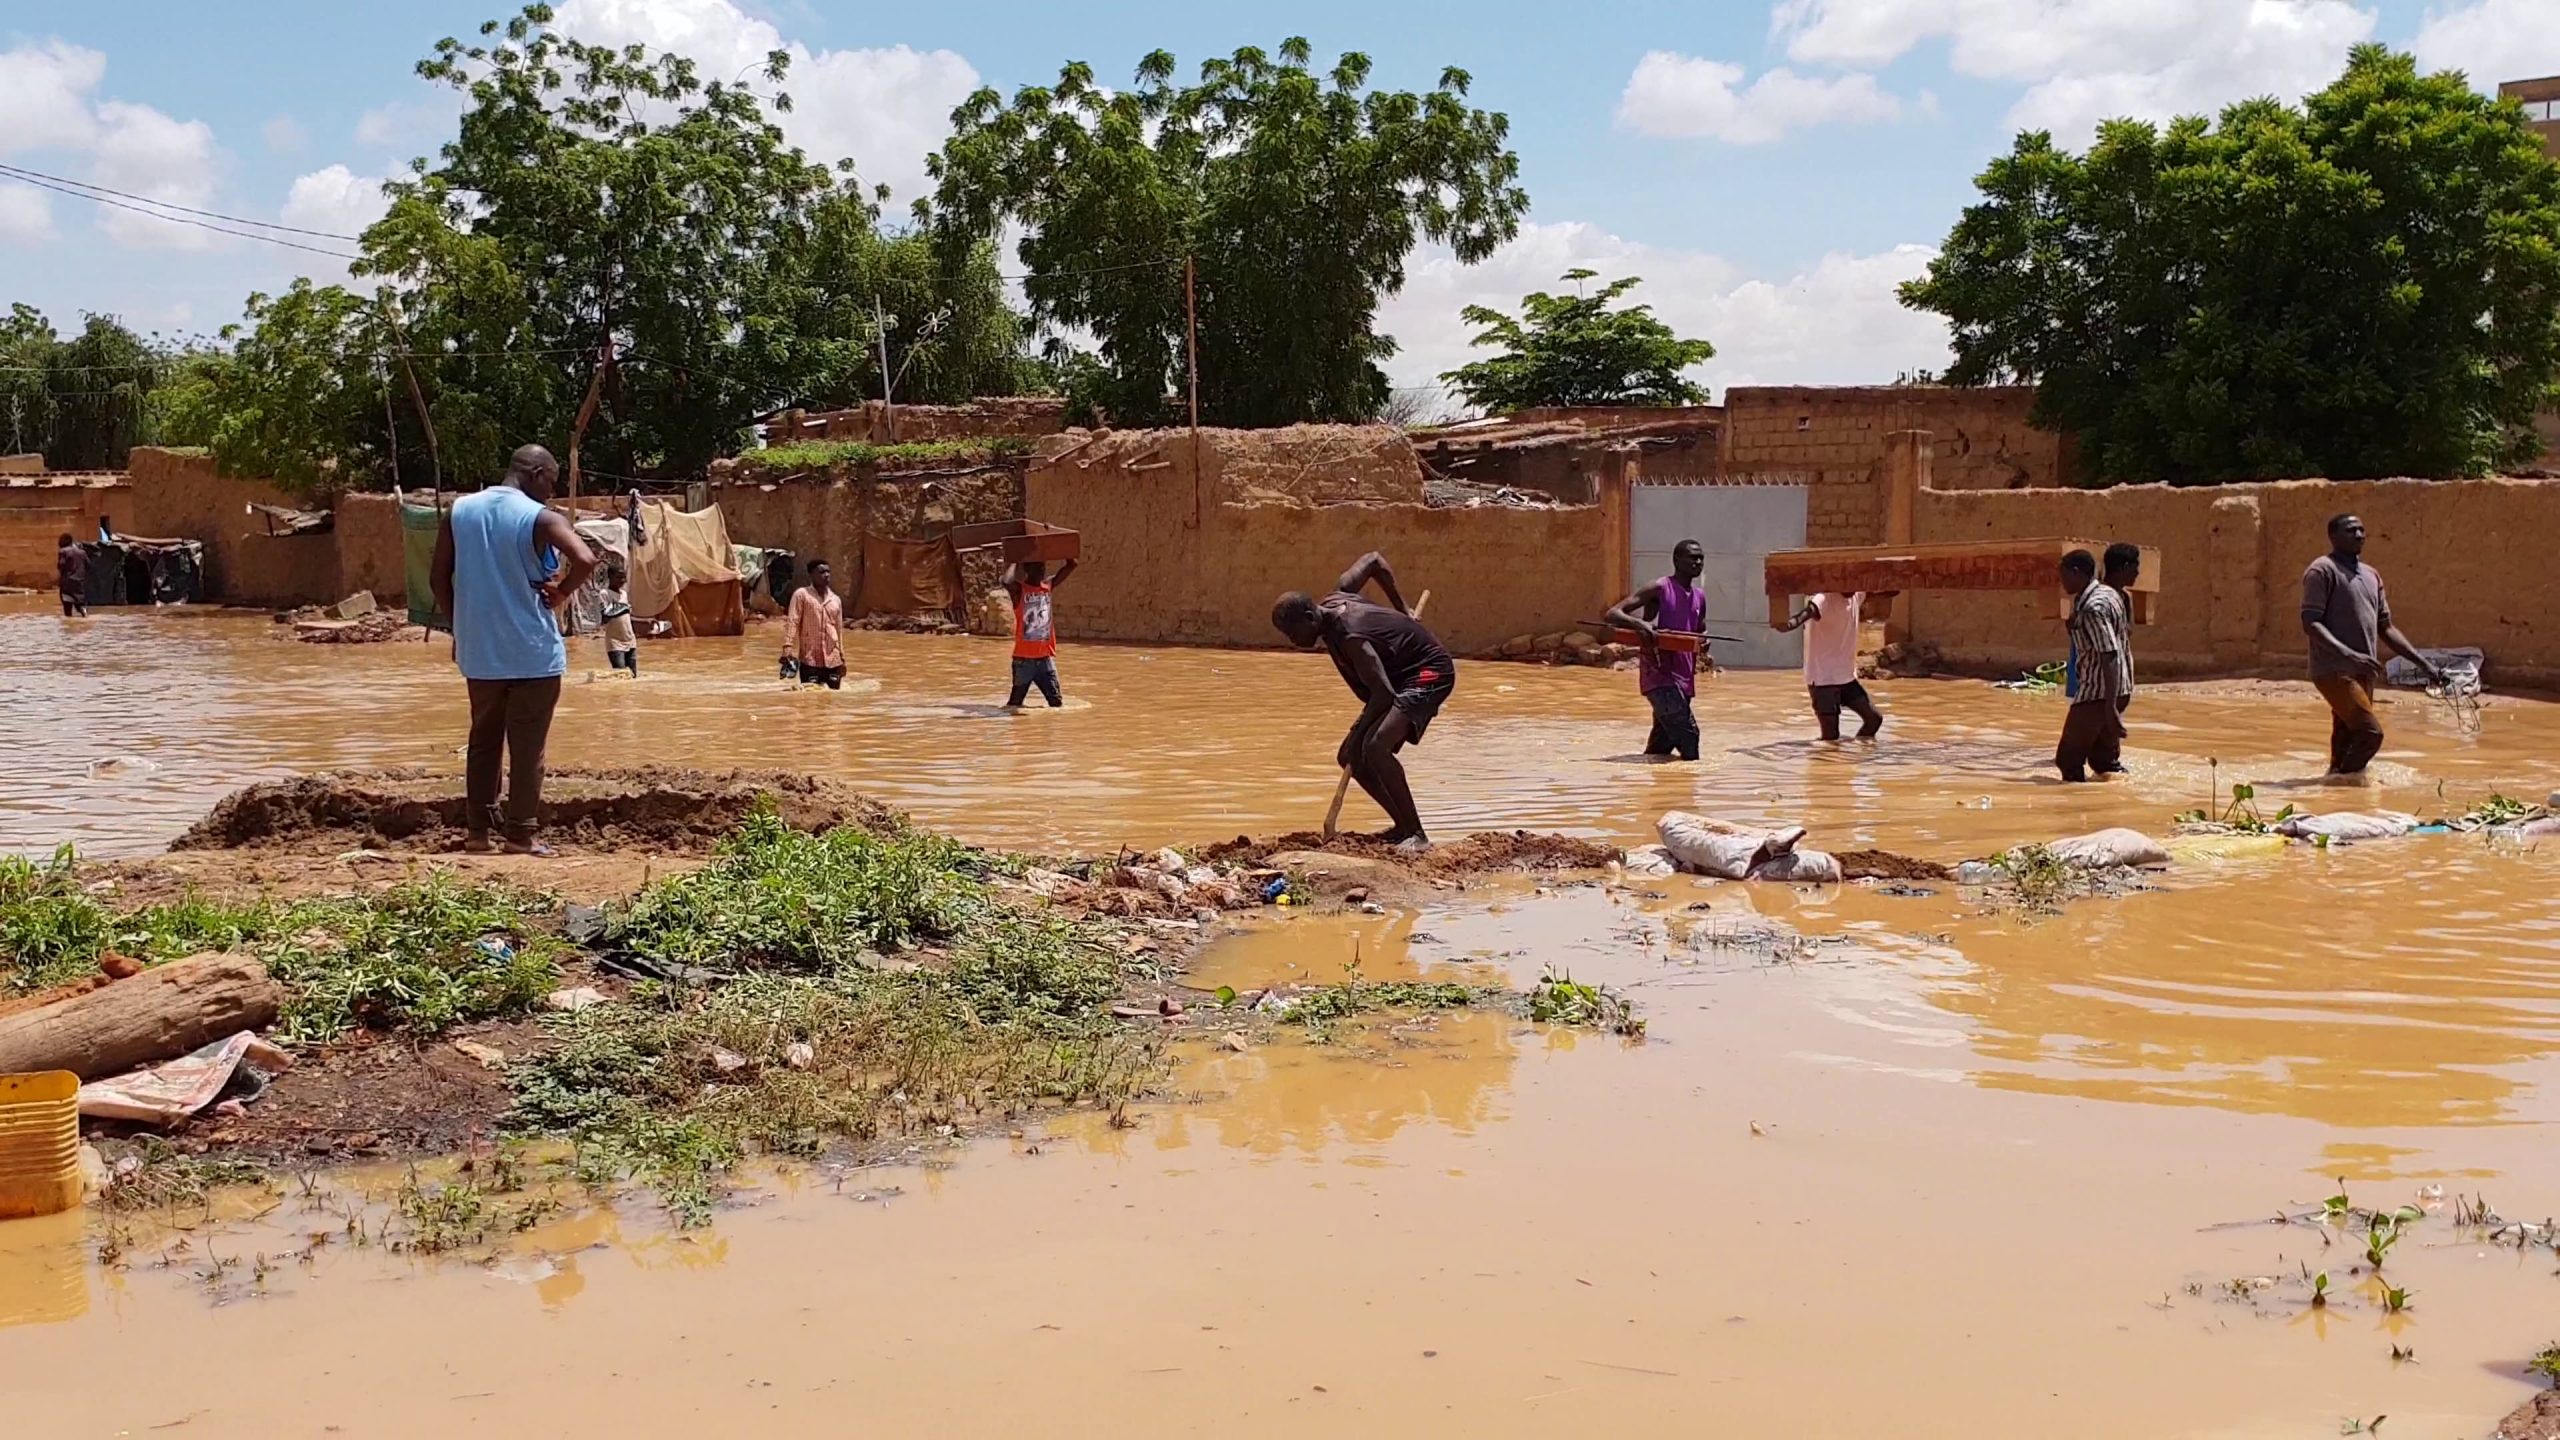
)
(1575, 350)
(85, 402)
(1296, 195)
(2367, 284)
(594, 193)
(297, 396)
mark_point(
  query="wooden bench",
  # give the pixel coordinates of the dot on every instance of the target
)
(2031, 565)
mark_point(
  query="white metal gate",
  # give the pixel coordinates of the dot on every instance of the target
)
(1739, 525)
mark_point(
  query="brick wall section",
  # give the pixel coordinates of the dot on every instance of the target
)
(1983, 438)
(33, 518)
(1028, 416)
(1150, 573)
(180, 495)
(2231, 560)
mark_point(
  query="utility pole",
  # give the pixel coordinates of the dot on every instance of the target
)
(1191, 352)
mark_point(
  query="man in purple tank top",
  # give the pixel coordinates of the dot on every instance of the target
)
(1668, 679)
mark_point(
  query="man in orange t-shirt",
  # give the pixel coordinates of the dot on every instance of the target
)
(1035, 630)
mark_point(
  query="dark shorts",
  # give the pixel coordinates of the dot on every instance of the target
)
(830, 676)
(1429, 692)
(1828, 700)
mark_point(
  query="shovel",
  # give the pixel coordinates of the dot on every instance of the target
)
(1342, 787)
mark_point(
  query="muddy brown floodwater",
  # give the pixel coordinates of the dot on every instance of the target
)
(1887, 1165)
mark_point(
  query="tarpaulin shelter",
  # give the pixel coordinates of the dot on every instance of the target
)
(129, 571)
(909, 577)
(687, 573)
(418, 526)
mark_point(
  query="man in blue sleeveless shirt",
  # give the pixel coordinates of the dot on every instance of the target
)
(503, 565)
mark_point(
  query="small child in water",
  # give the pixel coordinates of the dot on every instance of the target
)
(1035, 630)
(621, 647)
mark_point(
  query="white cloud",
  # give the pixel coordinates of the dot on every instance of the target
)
(145, 152)
(26, 213)
(2493, 40)
(885, 108)
(284, 135)
(1835, 323)
(335, 200)
(1684, 95)
(44, 95)
(2088, 60)
(416, 124)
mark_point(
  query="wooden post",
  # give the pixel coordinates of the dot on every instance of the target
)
(888, 406)
(1908, 455)
(1191, 353)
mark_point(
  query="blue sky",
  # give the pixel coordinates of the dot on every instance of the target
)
(1771, 168)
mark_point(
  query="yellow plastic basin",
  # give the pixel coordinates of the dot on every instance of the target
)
(39, 1143)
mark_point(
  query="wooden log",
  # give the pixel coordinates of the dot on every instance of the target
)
(157, 1015)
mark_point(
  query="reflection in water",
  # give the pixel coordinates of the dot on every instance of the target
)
(44, 1269)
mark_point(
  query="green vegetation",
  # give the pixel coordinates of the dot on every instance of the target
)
(775, 897)
(2498, 810)
(422, 957)
(52, 931)
(1297, 194)
(2240, 816)
(1575, 350)
(2361, 285)
(86, 401)
(816, 1039)
(823, 454)
(2036, 880)
(419, 957)
(1559, 999)
(2545, 1363)
(151, 1174)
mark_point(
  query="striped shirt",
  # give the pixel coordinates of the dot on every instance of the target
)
(2098, 636)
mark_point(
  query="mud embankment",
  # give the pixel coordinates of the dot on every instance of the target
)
(650, 808)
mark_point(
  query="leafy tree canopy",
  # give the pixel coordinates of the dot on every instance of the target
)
(594, 194)
(1575, 350)
(1296, 194)
(2367, 284)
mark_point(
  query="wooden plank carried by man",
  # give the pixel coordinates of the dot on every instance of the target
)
(1946, 565)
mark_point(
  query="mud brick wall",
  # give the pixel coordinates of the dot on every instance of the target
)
(1028, 416)
(33, 518)
(1983, 438)
(370, 556)
(1166, 560)
(2231, 561)
(178, 494)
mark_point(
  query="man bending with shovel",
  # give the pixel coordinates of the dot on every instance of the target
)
(1400, 671)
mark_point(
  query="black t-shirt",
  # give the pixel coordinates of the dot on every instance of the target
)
(1415, 659)
(71, 567)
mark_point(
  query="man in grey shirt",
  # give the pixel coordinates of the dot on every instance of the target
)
(2348, 619)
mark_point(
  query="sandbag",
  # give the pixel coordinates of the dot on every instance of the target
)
(1720, 848)
(2545, 828)
(1650, 860)
(1799, 867)
(2109, 850)
(2346, 827)
(2226, 847)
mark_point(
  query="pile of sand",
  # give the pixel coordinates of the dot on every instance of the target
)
(652, 808)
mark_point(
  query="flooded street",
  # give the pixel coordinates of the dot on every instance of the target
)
(1887, 1164)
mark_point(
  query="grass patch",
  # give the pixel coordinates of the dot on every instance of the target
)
(52, 931)
(778, 898)
(809, 1041)
(153, 1175)
(677, 1085)
(822, 454)
(2545, 1363)
(422, 956)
